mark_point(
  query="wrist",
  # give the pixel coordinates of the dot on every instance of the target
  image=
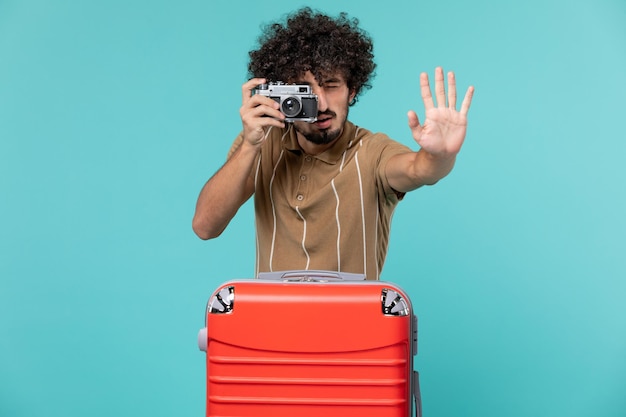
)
(430, 167)
(436, 158)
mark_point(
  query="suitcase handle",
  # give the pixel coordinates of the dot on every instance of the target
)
(310, 276)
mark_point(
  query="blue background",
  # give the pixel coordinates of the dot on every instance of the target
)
(114, 113)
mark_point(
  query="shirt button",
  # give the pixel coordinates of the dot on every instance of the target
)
(300, 197)
(307, 158)
(302, 177)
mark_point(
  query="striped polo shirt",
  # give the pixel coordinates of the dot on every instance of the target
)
(330, 211)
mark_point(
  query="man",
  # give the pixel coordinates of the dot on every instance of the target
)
(325, 191)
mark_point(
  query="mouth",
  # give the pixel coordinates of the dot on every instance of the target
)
(323, 122)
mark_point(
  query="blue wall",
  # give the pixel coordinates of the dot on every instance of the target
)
(113, 114)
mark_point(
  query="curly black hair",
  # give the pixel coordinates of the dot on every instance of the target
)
(311, 41)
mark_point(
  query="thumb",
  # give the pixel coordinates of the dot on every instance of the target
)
(413, 120)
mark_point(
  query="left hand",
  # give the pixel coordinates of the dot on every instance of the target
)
(443, 131)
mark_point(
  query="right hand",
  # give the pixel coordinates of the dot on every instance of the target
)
(258, 113)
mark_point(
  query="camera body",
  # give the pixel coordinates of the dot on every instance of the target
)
(296, 101)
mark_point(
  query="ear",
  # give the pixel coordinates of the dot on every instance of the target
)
(352, 96)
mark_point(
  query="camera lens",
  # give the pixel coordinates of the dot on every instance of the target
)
(291, 106)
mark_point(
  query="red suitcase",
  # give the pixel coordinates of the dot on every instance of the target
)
(310, 344)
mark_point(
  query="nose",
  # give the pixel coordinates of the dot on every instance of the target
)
(322, 104)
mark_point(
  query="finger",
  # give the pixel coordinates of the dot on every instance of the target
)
(259, 100)
(414, 125)
(261, 107)
(451, 90)
(261, 117)
(467, 101)
(413, 120)
(426, 94)
(249, 86)
(440, 90)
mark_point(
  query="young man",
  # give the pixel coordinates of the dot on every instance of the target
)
(325, 191)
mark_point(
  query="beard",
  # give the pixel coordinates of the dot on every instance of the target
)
(320, 137)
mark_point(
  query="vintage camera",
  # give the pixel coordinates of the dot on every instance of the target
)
(296, 101)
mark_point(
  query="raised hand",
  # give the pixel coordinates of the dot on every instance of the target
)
(443, 132)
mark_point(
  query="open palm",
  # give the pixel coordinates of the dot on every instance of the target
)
(443, 131)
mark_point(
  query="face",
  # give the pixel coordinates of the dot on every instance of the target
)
(333, 98)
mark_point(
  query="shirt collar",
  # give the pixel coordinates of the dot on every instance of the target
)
(331, 155)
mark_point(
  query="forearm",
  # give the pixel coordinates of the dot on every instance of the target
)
(409, 171)
(429, 169)
(224, 193)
